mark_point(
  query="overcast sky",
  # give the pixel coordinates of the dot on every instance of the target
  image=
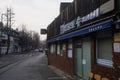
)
(35, 14)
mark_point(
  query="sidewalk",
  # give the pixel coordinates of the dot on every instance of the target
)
(6, 60)
(63, 74)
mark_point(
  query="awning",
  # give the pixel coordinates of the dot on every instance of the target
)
(92, 28)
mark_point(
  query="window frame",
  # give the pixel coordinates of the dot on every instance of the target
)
(58, 50)
(104, 62)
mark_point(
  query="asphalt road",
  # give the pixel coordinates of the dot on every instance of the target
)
(30, 68)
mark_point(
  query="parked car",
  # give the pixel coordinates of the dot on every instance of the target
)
(41, 50)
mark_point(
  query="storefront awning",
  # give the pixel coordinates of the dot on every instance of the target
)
(98, 26)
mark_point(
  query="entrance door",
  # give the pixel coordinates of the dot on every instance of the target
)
(86, 58)
(78, 59)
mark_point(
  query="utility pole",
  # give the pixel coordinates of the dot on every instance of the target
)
(9, 16)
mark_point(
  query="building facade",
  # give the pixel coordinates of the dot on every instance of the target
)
(85, 37)
(14, 41)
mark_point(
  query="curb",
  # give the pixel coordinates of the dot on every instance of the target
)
(5, 65)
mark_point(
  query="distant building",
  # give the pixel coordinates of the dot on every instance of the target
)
(1, 24)
(14, 40)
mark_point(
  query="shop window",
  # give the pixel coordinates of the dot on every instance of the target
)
(70, 49)
(61, 49)
(58, 48)
(52, 48)
(104, 47)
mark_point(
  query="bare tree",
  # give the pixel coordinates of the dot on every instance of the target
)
(36, 40)
(29, 39)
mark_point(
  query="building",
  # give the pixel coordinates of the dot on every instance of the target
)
(14, 41)
(85, 37)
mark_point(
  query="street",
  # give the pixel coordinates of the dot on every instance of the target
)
(31, 67)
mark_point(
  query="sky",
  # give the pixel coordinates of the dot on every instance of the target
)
(35, 14)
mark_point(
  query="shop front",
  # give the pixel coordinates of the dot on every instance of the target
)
(87, 48)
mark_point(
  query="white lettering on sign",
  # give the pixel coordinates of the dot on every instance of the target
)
(95, 28)
(71, 25)
(78, 21)
(66, 27)
(91, 15)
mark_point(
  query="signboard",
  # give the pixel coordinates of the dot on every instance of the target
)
(107, 7)
(91, 15)
(66, 27)
(104, 8)
(43, 31)
(78, 21)
(98, 26)
(74, 23)
(117, 36)
(116, 47)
